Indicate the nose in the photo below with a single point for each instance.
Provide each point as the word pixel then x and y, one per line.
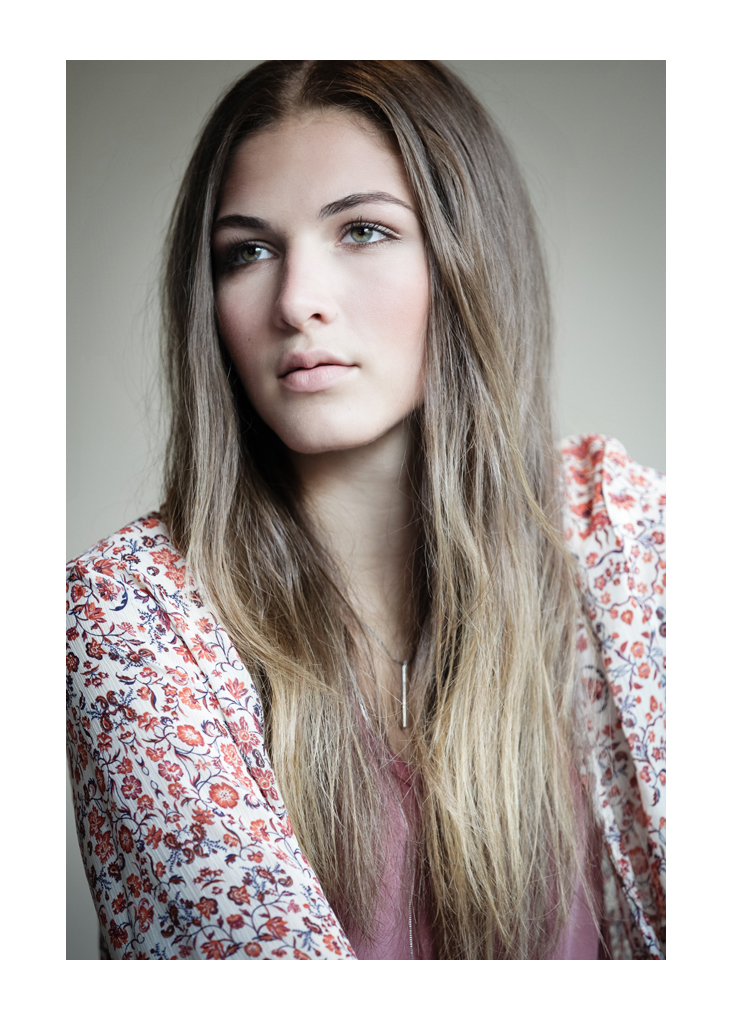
pixel 305 296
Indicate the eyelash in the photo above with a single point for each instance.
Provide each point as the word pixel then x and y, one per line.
pixel 234 249
pixel 373 226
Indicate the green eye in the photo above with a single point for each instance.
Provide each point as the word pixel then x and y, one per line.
pixel 360 233
pixel 242 254
pixel 250 254
pixel 363 234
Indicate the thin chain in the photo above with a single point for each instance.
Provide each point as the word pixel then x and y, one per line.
pixel 398 661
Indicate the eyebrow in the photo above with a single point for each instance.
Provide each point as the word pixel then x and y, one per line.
pixel 329 210
pixel 238 221
pixel 356 198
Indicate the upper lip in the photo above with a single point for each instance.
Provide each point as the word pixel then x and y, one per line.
pixel 307 360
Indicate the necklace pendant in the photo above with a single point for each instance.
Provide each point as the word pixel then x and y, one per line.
pixel 404 717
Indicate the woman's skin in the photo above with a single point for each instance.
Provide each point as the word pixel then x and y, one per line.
pixel 322 298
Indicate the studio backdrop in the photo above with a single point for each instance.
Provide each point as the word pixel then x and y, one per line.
pixel 590 138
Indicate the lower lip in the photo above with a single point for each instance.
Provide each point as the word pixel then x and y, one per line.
pixel 316 379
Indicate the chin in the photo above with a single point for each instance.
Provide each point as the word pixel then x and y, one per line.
pixel 316 438
pixel 307 445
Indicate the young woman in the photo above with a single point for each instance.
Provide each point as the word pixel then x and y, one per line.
pixel 384 678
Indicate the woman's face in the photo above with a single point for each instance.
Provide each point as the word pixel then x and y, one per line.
pixel 322 282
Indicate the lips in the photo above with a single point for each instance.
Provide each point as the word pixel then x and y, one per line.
pixel 313 371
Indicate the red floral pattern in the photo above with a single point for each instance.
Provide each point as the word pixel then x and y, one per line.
pixel 616 529
pixel 187 846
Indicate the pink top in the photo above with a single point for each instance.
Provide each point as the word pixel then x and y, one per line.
pixel 393 940
pixel 580 942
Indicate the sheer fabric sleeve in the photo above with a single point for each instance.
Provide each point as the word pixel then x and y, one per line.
pixel 615 525
pixel 187 847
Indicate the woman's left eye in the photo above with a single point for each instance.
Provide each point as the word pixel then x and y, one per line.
pixel 362 233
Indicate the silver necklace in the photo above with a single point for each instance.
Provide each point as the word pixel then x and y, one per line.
pixel 399 662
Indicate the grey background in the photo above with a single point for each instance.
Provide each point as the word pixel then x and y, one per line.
pixel 590 137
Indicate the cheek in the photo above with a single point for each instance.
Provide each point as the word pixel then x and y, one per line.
pixel 390 306
pixel 241 319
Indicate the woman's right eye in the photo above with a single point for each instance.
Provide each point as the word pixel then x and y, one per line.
pixel 250 252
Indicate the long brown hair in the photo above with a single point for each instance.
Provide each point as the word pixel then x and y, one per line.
pixel 492 695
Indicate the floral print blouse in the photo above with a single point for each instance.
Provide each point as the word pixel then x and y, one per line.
pixel 186 842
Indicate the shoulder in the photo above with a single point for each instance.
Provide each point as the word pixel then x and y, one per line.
pixel 141 639
pixel 134 550
pixel 138 559
pixel 614 520
pixel 611 500
pixel 132 605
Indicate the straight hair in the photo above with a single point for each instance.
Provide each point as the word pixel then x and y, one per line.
pixel 493 696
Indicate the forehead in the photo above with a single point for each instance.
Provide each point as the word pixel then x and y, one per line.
pixel 312 159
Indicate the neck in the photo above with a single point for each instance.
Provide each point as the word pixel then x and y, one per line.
pixel 361 501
